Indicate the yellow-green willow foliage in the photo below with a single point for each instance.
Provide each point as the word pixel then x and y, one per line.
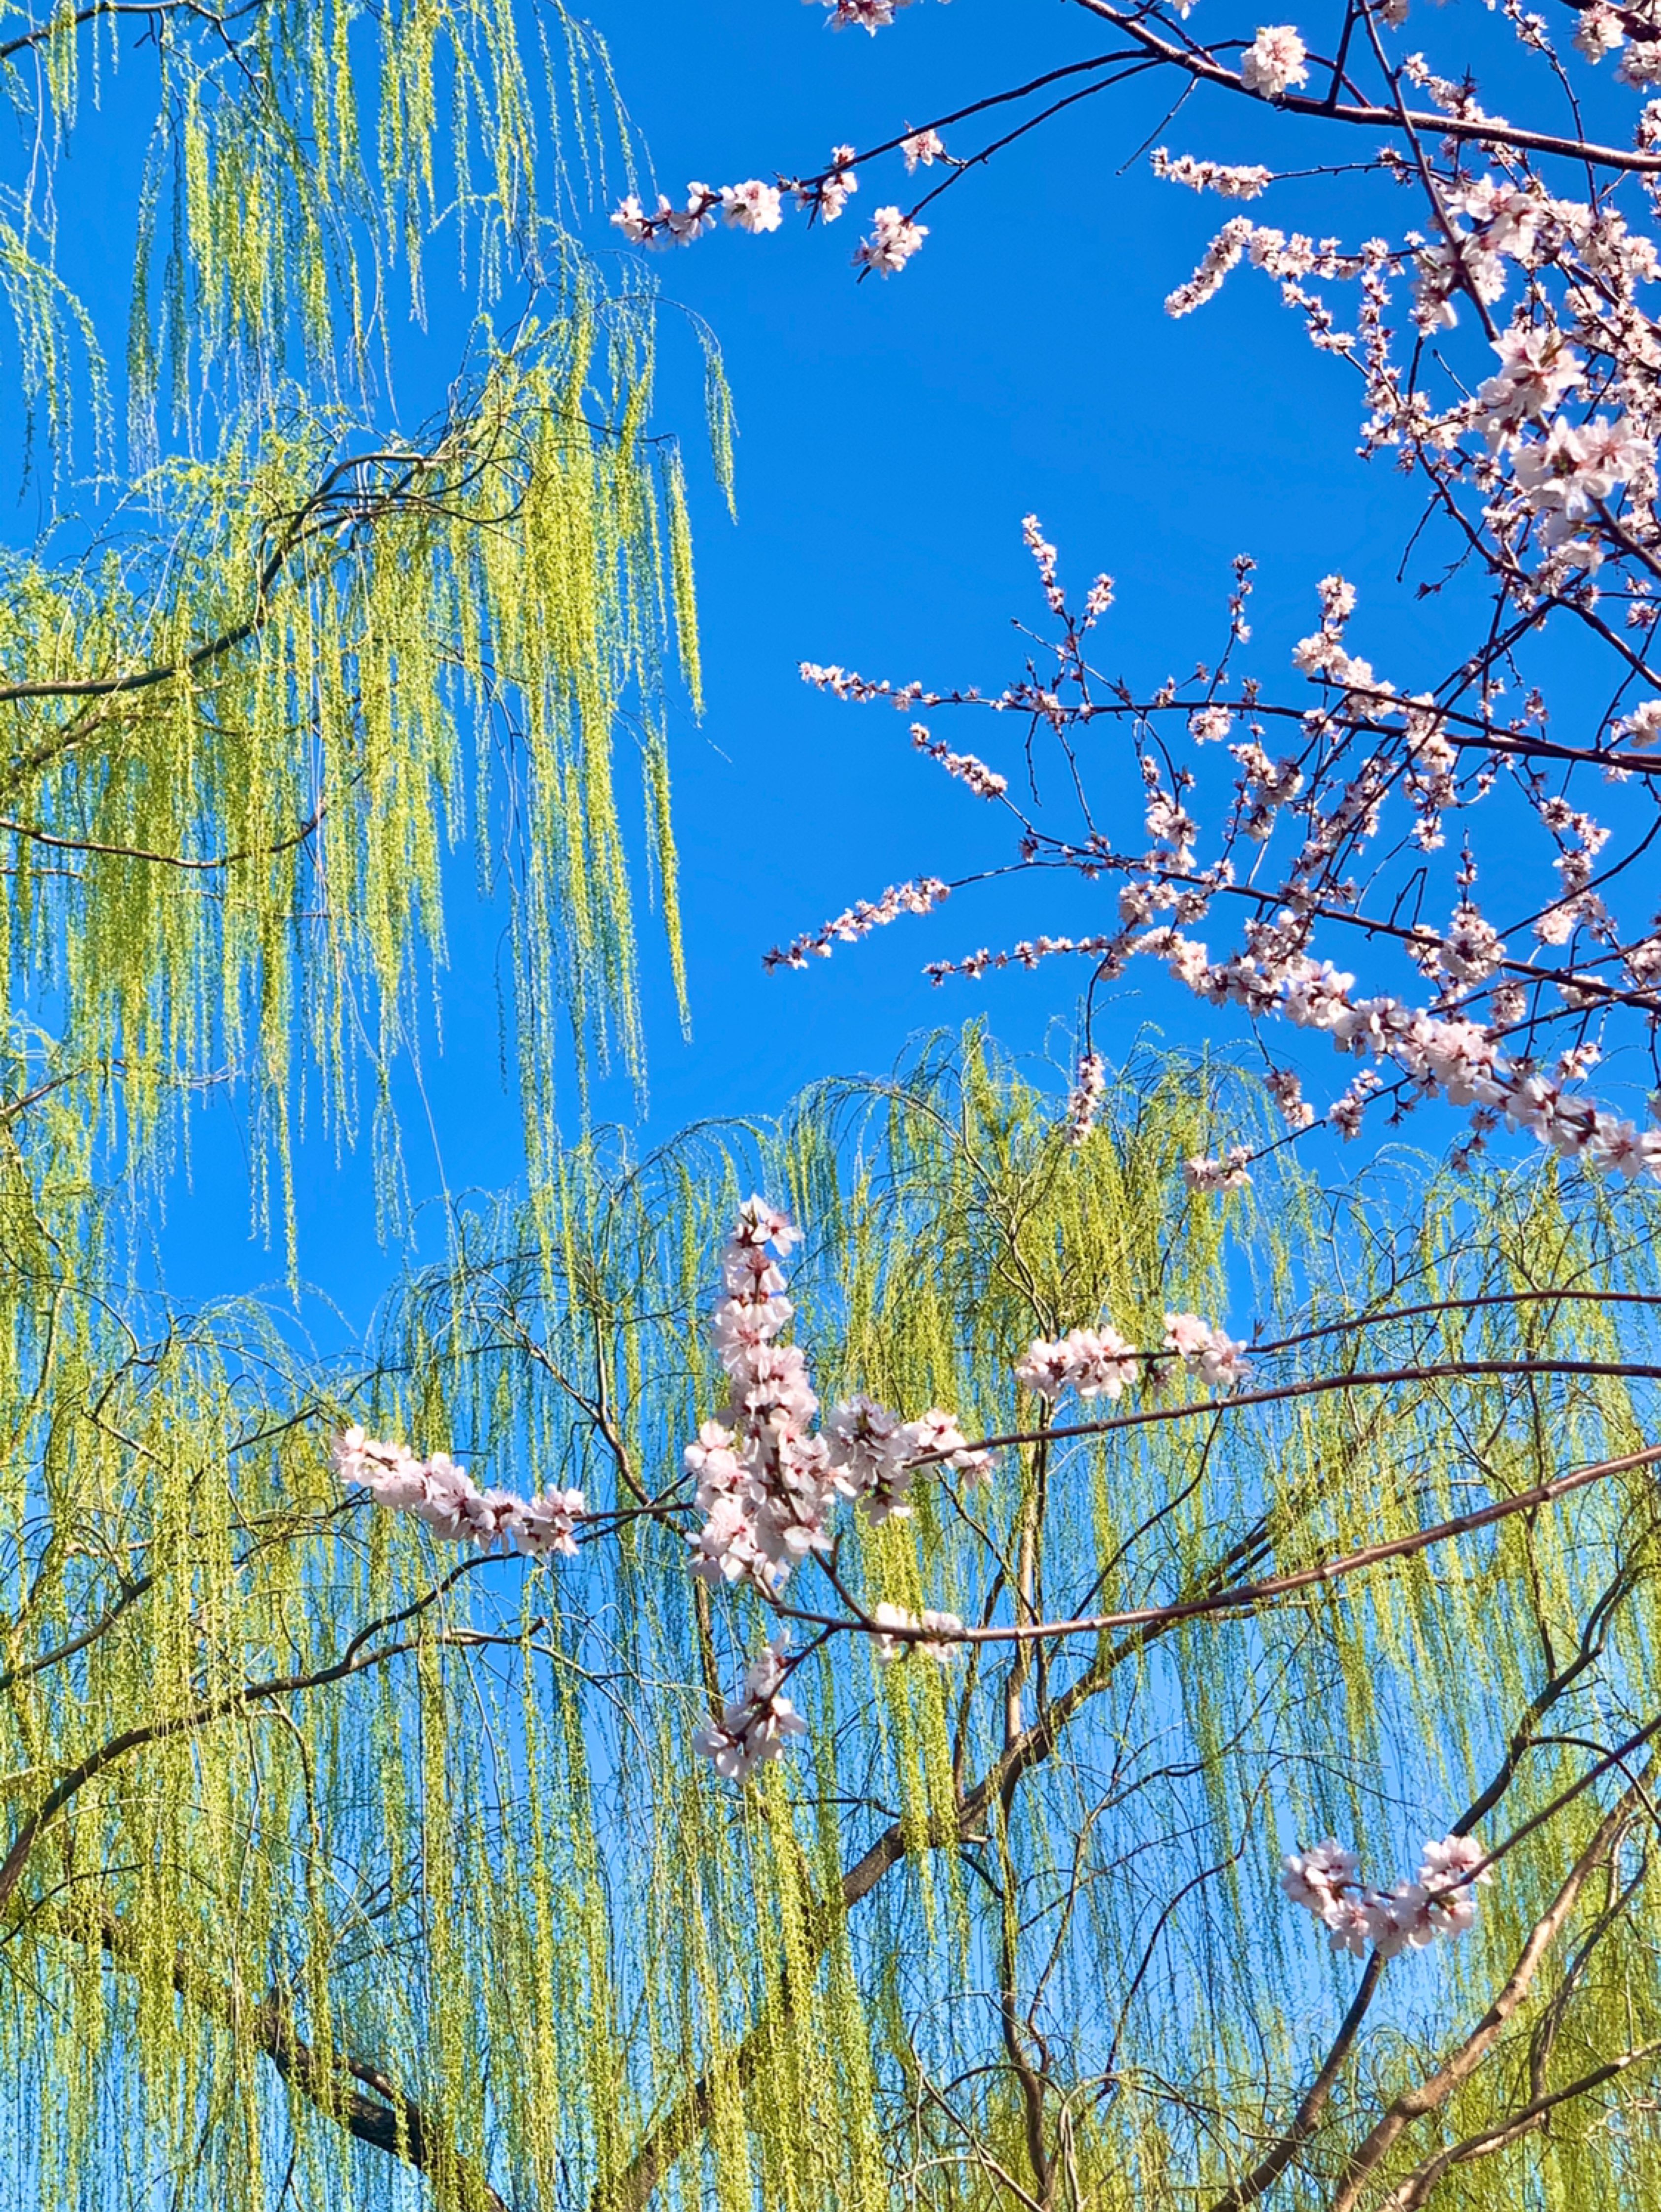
pixel 298 160
pixel 238 761
pixel 342 1868
pixel 259 692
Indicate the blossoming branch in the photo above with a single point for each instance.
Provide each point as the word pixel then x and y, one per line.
pixel 446 1499
pixel 1347 855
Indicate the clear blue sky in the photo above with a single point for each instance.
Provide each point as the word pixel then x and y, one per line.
pixel 892 436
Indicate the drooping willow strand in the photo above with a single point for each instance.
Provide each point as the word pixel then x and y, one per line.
pixel 297 652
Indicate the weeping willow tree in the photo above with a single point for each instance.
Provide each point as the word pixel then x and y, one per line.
pixel 344 1864
pixel 268 670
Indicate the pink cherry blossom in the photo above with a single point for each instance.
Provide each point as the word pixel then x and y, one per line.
pixel 1096 1362
pixel 547 1524
pixel 757 1724
pixel 1600 32
pixel 448 1493
pixel 1220 256
pixel 1186 1334
pixel 894 239
pixel 766 1481
pixel 936 1435
pixel 867 1449
pixel 1537 370
pixel 494 1517
pixel 1326 1882
pixel 1231 181
pixel 392 1475
pixel 857 921
pixel 631 218
pixel 940 1647
pixel 1229 1173
pixel 1313 1878
pixel 1274 62
pixel 445 1497
pixel 1450 1858
pixel 1089 1089
pixel 1400 1919
pixel 753 206
pixel 872 16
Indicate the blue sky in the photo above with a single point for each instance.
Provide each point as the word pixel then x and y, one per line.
pixel 893 434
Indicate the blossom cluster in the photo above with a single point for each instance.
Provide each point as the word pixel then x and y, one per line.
pixel 1229 181
pixel 768 1481
pixel 983 781
pixel 872 16
pixel 445 1497
pixel 755 1725
pixel 859 919
pixel 1084 1102
pixel 1026 952
pixel 753 206
pixel 1231 1172
pixel 894 239
pixel 758 207
pixel 1325 1881
pixel 942 1642
pixel 1275 62
pixel 1099 1363
pixel 1455 1058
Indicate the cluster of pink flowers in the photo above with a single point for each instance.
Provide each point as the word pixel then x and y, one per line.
pixel 922 149
pixel 1099 1363
pixel 757 1724
pixel 1045 559
pixel 1026 952
pixel 758 207
pixel 1231 1172
pixel 1220 1362
pixel 768 1481
pixel 753 206
pixel 1084 1103
pixel 873 1455
pixel 1229 181
pixel 445 1496
pixel 872 16
pixel 1563 478
pixel 984 782
pixel 1325 1881
pixel 1538 369
pixel 941 1643
pixel 1222 255
pixel 1274 61
pixel 1601 32
pixel 894 239
pixel 858 920
pixel 1456 1058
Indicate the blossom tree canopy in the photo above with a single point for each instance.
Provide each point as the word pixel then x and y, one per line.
pixel 1315 846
